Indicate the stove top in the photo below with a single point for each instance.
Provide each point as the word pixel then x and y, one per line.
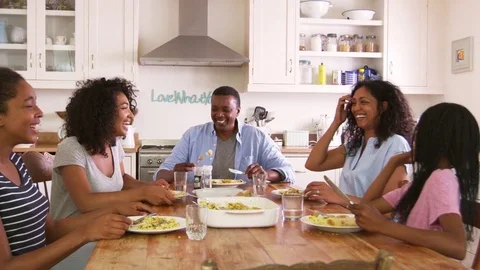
pixel 159 147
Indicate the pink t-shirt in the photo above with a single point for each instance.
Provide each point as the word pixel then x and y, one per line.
pixel 440 195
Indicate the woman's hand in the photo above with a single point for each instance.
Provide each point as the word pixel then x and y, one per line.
pixel 368 217
pixel 156 195
pixel 342 110
pixel 162 183
pixel 132 209
pixel 321 191
pixel 110 226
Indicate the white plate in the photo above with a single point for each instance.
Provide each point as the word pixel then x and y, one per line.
pixel 179 194
pixel 279 191
pixel 333 229
pixel 180 220
pixel 218 183
pixel 216 192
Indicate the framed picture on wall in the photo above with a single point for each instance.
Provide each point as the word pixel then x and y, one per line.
pixel 462 55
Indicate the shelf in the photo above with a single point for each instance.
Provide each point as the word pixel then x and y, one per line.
pixel 345 22
pixel 12 11
pixel 340 54
pixel 12 46
pixel 60 47
pixel 300 88
pixel 60 13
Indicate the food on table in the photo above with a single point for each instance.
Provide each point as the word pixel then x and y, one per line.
pixel 178 194
pixel 290 191
pixel 245 193
pixel 333 220
pixel 226 181
pixel 208 153
pixel 228 206
pixel 157 223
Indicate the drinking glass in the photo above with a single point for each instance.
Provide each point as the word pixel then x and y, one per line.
pixel 180 181
pixel 259 184
pixel 196 216
pixel 292 205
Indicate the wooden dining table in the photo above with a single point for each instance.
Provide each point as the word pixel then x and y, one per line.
pixel 287 243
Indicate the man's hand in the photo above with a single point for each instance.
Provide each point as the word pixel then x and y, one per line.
pixel 184 167
pixel 254 169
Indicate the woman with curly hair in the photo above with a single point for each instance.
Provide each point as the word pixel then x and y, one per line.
pixel 379 126
pixel 88 170
pixel 431 210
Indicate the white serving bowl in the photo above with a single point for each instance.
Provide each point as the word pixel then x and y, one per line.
pixel 359 14
pixel 314 8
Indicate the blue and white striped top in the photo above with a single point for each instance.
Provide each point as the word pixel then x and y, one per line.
pixel 23 211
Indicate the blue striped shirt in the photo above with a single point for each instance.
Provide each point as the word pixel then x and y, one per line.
pixel 23 211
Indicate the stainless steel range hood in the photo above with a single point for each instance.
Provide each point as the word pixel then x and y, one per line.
pixel 193 47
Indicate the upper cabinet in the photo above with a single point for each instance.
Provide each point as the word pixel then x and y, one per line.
pixel 111 38
pixel 53 44
pixel 407 42
pixel 272 42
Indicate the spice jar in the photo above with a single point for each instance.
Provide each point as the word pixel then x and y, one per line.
pixel 371 44
pixel 316 42
pixel 306 72
pixel 358 43
pixel 302 41
pixel 345 43
pixel 332 42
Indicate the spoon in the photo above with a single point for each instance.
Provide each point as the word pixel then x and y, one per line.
pixel 235 171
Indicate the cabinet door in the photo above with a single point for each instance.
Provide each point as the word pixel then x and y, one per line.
pixel 111 38
pixel 130 164
pixel 17 37
pixel 59 39
pixel 272 42
pixel 407 42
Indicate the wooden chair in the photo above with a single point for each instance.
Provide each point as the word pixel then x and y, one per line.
pixel 40 167
pixel 476 224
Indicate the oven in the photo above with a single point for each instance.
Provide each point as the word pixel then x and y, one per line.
pixel 151 155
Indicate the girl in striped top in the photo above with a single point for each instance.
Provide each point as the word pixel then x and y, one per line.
pixel 29 237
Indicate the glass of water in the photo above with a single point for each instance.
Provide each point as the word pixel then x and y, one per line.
pixel 259 184
pixel 292 205
pixel 180 181
pixel 196 216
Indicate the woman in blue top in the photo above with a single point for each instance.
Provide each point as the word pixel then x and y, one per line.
pixel 379 126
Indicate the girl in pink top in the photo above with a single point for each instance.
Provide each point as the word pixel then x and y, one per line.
pixel 446 172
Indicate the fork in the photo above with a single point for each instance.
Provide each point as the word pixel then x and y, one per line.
pixel 138 221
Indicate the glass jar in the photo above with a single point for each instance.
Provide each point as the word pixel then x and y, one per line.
pixel 371 44
pixel 302 42
pixel 358 43
pixel 345 43
pixel 332 42
pixel 316 42
pixel 306 72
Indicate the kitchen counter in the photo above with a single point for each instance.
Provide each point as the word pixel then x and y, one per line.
pixel 53 148
pixel 295 150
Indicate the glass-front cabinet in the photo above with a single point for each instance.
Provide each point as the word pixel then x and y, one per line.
pixel 42 39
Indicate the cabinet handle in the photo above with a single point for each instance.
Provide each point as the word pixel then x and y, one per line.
pixel 291 66
pixel 151 172
pixel 391 68
pixel 92 57
pixel 300 171
pixel 31 60
pixel 40 60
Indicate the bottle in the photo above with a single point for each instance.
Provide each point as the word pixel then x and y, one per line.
pixel 322 75
pixel 207 176
pixel 197 179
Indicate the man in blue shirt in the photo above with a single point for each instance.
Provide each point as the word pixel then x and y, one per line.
pixel 227 143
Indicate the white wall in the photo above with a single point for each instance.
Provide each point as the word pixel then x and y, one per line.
pixel 227 24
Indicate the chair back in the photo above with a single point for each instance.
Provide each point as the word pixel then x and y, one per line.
pixel 40 167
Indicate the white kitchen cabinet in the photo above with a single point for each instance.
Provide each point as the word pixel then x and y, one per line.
pixel 130 164
pixel 303 176
pixel 272 42
pixel 112 38
pixel 407 42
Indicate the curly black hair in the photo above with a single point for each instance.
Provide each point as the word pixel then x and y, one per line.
pixel 448 131
pixel 396 119
pixel 92 110
pixel 9 80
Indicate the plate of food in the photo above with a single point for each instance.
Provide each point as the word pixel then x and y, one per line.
pixel 157 224
pixel 335 223
pixel 226 182
pixel 280 192
pixel 179 194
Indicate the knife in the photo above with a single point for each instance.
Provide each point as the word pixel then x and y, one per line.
pixel 337 190
pixel 138 221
